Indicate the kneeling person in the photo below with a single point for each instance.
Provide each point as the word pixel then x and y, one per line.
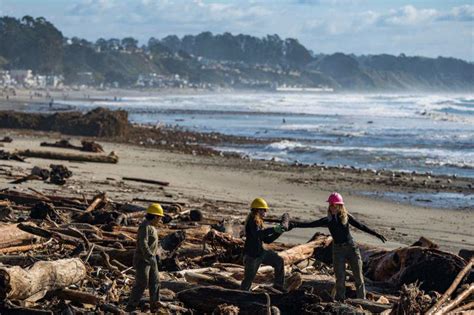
pixel 254 253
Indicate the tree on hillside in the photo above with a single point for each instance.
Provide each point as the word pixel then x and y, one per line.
pixel 129 44
pixel 101 45
pixel 31 44
pixel 114 44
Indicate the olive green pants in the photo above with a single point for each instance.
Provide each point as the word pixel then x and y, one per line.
pixel 146 275
pixel 340 254
pixel 253 263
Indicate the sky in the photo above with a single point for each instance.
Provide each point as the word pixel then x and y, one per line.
pixel 416 28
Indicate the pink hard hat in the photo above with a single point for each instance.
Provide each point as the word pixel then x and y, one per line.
pixel 335 199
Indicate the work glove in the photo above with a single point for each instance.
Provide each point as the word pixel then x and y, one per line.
pixel 381 237
pixel 279 229
pixel 285 221
pixel 292 225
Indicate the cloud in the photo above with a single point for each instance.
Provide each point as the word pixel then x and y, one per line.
pixel 407 15
pixel 463 13
pixel 91 7
pixel 190 15
pixel 327 2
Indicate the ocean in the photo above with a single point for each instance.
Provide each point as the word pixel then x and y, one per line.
pixel 404 132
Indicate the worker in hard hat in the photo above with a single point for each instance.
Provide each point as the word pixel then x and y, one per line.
pixel 254 253
pixel 344 249
pixel 145 260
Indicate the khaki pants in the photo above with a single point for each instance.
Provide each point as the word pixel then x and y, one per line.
pixel 340 254
pixel 146 275
pixel 253 263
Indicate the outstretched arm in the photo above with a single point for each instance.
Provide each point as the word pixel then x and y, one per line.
pixel 365 228
pixel 317 223
pixel 267 235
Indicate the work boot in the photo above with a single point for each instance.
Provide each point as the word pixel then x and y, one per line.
pixel 154 307
pixel 130 308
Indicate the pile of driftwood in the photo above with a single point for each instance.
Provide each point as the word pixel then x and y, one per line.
pixel 86 146
pixel 74 254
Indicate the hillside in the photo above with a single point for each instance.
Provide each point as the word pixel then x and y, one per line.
pixel 238 61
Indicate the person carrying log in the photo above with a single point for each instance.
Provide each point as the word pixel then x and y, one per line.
pixel 254 253
pixel 145 260
pixel 343 248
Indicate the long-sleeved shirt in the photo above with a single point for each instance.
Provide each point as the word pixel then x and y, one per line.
pixel 339 232
pixel 147 242
pixel 255 237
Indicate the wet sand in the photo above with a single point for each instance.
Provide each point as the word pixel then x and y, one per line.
pixel 231 183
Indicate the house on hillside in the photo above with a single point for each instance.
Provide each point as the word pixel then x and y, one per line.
pixel 23 77
pixel 85 78
pixel 5 79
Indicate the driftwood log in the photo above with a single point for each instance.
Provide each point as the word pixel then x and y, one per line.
pixel 87 146
pixel 456 301
pixel 410 264
pixel 13 236
pixel 451 289
pixel 406 265
pixel 290 256
pixel 207 298
pixel 301 252
pixel 77 296
pixel 111 158
pixel 146 181
pixel 32 284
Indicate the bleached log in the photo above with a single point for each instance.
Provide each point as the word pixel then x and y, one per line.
pixel 13 236
pixel 33 283
pixel 304 251
pixel 111 158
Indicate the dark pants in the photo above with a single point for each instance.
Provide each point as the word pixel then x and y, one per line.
pixel 340 254
pixel 146 275
pixel 267 258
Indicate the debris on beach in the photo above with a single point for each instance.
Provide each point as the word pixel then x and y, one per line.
pixel 6 139
pixel 98 122
pixel 69 249
pixel 86 146
pixel 57 175
pixel 86 244
pixel 53 155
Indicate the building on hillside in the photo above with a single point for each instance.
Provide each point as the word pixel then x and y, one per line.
pixel 5 79
pixel 23 77
pixel 85 78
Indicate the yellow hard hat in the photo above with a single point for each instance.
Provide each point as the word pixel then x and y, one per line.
pixel 156 209
pixel 259 203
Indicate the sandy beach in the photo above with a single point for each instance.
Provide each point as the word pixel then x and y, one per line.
pixel 232 183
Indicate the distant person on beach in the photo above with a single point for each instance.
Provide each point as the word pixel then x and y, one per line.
pixel 254 253
pixel 343 248
pixel 145 260
pixel 51 102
